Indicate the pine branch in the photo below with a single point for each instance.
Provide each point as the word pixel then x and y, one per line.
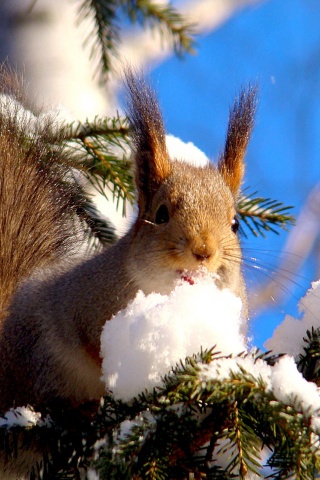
pixel 250 417
pixel 99 231
pixel 96 152
pixel 261 215
pixel 242 442
pixel 164 17
pixel 104 38
pixel 101 152
pixel 295 454
pixel 106 34
pixel 309 362
pixel 115 129
pixel 179 430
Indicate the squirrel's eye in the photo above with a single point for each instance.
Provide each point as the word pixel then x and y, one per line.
pixel 162 215
pixel 235 224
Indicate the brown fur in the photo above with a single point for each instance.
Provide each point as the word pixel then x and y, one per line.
pixel 50 337
pixel 231 163
pixel 148 135
pixel 35 205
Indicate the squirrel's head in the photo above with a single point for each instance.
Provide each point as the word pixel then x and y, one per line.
pixel 187 215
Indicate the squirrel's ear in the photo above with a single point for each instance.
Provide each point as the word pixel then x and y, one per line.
pixel 241 120
pixel 149 140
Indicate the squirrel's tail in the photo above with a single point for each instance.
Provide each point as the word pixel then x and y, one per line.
pixel 36 199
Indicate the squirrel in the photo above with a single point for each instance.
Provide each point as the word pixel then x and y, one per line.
pixel 53 311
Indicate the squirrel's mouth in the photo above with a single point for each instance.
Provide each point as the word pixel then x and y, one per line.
pixel 186 276
pixel 191 276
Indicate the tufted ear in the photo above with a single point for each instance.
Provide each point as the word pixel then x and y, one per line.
pixel 148 135
pixel 241 120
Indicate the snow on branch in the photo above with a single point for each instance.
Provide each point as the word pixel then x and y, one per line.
pixel 142 343
pixel 223 412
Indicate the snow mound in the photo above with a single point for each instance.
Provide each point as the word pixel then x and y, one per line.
pixel 141 343
pixel 288 336
pixel 185 152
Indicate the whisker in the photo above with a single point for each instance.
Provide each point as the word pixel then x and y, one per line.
pixel 277 270
pixel 279 254
pixel 148 222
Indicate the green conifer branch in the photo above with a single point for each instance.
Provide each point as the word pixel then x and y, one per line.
pixel 101 152
pixel 176 430
pixel 260 215
pixel 309 362
pixel 169 21
pixel 100 232
pixel 253 417
pixel 112 128
pixel 106 34
pixel 104 38
pixel 97 152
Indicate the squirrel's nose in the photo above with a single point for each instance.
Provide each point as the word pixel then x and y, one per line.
pixel 204 247
pixel 201 256
pixel 202 252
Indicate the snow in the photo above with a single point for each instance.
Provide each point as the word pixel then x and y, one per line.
pixel 27 120
pixel 288 336
pixel 144 341
pixel 221 369
pixel 185 152
pixel 92 474
pixel 283 379
pixel 21 417
pixel 126 428
pixel 290 388
pixel 141 343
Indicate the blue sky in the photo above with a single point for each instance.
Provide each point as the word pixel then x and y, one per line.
pixel 277 45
